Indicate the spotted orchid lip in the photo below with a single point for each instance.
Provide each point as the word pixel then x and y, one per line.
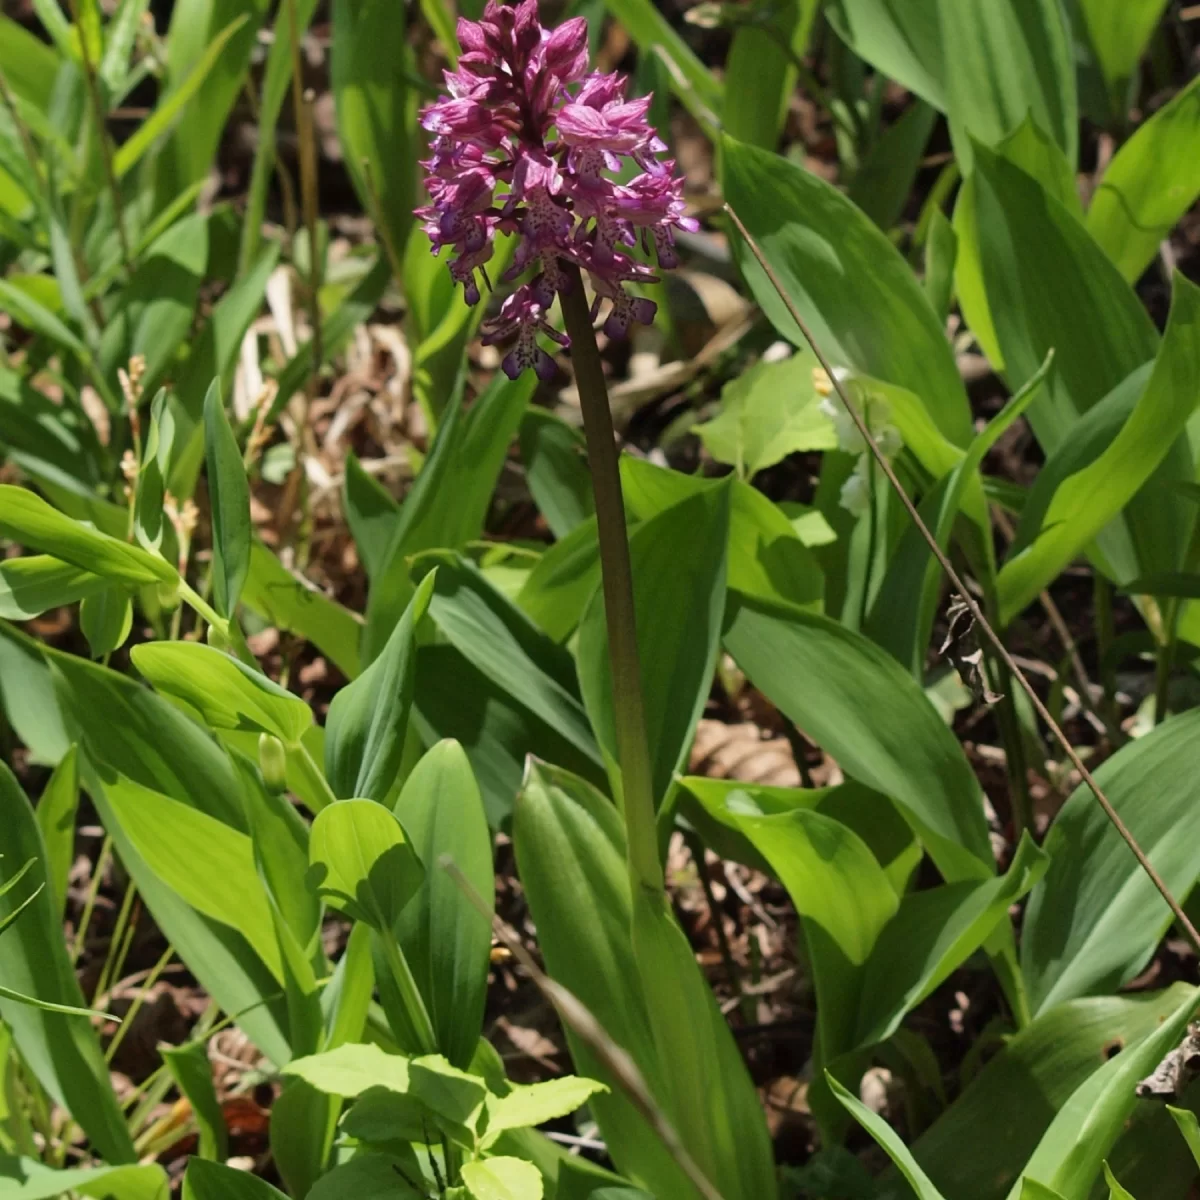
pixel 524 142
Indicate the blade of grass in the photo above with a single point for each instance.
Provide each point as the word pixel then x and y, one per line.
pixel 976 612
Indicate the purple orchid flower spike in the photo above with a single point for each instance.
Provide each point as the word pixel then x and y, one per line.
pixel 526 142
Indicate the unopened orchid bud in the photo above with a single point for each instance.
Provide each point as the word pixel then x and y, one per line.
pixel 272 762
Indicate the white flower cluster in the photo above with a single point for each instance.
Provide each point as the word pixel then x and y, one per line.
pixel 876 413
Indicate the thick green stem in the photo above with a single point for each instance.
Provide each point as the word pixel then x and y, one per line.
pixel 410 994
pixel 633 751
pixel 320 794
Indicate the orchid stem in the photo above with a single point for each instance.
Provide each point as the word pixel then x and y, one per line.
pixel 633 751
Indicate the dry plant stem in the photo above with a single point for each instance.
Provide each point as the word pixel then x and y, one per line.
pixel 1070 646
pixel 976 612
pixel 106 154
pixel 633 752
pixel 577 1017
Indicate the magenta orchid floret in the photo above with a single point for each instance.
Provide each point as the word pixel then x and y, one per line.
pixel 526 142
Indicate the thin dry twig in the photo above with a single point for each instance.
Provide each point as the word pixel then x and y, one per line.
pixel 976 612
pixel 582 1022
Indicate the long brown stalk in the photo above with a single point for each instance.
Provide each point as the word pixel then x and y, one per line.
pixel 976 612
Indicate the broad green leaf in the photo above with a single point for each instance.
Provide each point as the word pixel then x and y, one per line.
pixel 1151 182
pixel 26 310
pixel 562 828
pixel 563 580
pixel 62 1051
pixel 980 1144
pixel 368 719
pixel 718 806
pixel 502 1179
pixel 760 72
pixel 383 1115
pixel 351 1070
pixel 883 183
pixel 1149 537
pixel 539 1103
pixel 1049 286
pixel 1185 1119
pixel 27 697
pixel 303 1128
pixel 1032 1190
pixel 1070 1154
pixel 860 298
pixel 678 561
pixel 32 585
pixel 857 702
pixel 1168 584
pixel 570 850
pixel 465 462
pixel 370 66
pixel 367 1177
pixel 455 699
pixel 1023 50
pixel 288 601
pixel 371 512
pixel 941 258
pixel 1087 501
pixel 902 616
pixel 28 63
pixel 229 502
pixel 445 939
pixel 214 1181
pixel 156 309
pixel 501 643
pixel 1094 921
pixel 1115 1190
pixel 226 693
pixel 206 863
pixel 362 863
pixel 452 1095
pixel 888 1140
pixel 1119 35
pixel 29 520
pixel 56 822
pixel 125 728
pixel 205 61
pixel 556 470
pixel 106 617
pixel 932 934
pixel 28 1179
pixel 843 897
pixel 766 414
pixel 903 40
pixel 189 1066
pixel 764 556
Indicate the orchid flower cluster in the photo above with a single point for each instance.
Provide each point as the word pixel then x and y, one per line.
pixel 526 143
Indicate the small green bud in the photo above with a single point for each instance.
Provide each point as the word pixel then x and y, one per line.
pixel 167 595
pixel 272 762
pixel 217 640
